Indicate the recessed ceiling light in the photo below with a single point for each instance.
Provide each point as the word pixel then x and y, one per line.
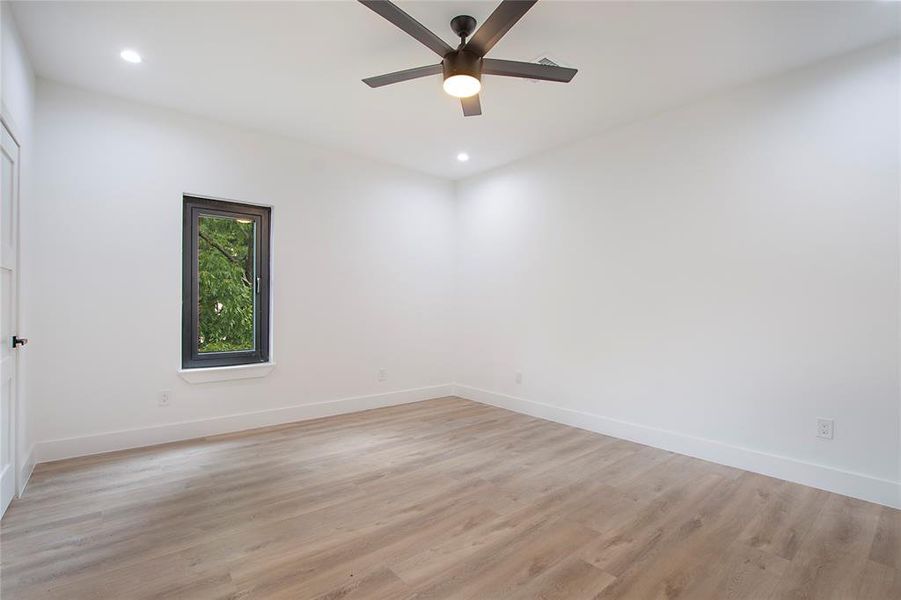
pixel 462 157
pixel 131 56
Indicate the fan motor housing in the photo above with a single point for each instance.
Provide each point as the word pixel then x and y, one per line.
pixel 461 62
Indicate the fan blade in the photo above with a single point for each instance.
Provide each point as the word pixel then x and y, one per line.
pixel 406 75
pixel 410 25
pixel 514 68
pixel 472 107
pixel 501 20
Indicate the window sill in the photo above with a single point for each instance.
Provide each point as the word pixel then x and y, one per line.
pixel 211 374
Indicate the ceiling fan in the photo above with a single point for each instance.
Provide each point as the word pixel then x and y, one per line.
pixel 464 66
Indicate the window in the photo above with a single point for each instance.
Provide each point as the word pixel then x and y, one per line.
pixel 225 297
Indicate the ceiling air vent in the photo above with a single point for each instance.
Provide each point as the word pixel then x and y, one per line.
pixel 544 60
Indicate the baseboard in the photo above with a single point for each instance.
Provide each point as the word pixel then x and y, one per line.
pixel 173 432
pixel 856 485
pixel 7 487
pixel 26 470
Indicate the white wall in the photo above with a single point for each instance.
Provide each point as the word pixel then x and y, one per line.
pixel 362 277
pixel 17 90
pixel 710 280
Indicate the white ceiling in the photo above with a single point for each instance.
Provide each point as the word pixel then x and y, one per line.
pixel 295 67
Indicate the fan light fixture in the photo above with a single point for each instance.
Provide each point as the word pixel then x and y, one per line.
pixel 462 67
pixel 462 86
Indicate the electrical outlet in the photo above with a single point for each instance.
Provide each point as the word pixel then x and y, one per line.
pixel 825 428
pixel 164 398
pixel 383 375
pixel 518 377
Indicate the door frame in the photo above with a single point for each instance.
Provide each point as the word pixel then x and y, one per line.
pixel 7 122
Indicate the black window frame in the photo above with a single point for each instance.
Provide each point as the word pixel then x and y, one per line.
pixel 191 357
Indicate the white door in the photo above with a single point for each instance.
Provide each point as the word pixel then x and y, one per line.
pixel 9 234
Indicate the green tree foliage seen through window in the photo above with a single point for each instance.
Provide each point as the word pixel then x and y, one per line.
pixel 226 279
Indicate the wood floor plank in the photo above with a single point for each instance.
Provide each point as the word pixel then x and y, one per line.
pixel 379 585
pixel 886 547
pixel 439 499
pixel 571 579
pixel 832 562
pixel 498 570
pixel 879 582
pixel 785 521
pixel 447 553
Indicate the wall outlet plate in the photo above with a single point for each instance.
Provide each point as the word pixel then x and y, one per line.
pixel 164 398
pixel 383 375
pixel 825 428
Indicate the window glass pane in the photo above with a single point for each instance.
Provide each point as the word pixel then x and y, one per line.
pixel 226 279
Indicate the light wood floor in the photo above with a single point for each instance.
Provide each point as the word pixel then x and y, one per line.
pixel 439 499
